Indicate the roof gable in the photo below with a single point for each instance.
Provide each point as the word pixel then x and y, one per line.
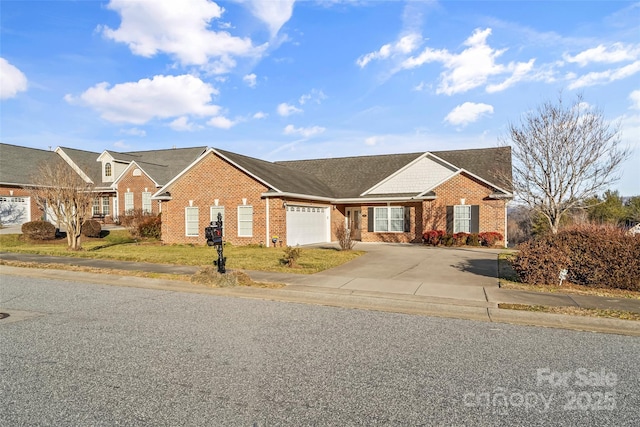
pixel 416 177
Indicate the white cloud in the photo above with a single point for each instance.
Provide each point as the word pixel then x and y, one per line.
pixel 285 109
pixel 373 140
pixel 179 30
pixel 182 124
pixel 134 132
pixel 315 95
pixel 260 115
pixel 468 112
pixel 121 145
pixel 617 52
pixel 419 87
pixel 608 76
pixel 161 97
pixel 13 80
pixel 250 80
pixel 304 132
pixel 470 68
pixel 222 122
pixel 635 99
pixel 518 72
pixel 273 13
pixel 405 45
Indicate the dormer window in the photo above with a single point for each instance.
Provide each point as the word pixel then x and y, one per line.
pixel 107 169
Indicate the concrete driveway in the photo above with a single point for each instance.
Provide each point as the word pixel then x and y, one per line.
pixel 450 273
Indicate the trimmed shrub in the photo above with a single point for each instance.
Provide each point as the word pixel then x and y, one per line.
pixel 460 239
pixel 433 237
pixel 291 255
pixel 597 256
pixel 142 224
pixel 150 227
pixel 448 239
pixel 91 228
pixel 39 230
pixel 473 239
pixel 490 238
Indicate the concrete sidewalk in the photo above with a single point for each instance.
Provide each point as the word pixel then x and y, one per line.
pixel 386 294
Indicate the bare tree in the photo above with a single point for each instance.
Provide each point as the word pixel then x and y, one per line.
pixel 563 154
pixel 62 190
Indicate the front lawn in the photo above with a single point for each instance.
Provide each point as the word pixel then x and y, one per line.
pixel 118 245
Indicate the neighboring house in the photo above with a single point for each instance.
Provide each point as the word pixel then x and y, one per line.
pixel 125 181
pixel 17 168
pixel 122 181
pixel 386 198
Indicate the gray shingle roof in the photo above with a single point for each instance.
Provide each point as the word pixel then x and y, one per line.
pixel 351 176
pixel 491 164
pixel 88 162
pixel 283 178
pixel 19 164
pixel 161 165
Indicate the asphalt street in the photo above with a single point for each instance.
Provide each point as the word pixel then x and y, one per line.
pixel 89 354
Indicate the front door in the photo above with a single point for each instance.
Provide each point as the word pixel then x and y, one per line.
pixel 353 222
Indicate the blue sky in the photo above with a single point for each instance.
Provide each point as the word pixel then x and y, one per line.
pixel 284 80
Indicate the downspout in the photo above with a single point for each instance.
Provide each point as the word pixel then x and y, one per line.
pixel 506 222
pixel 267 239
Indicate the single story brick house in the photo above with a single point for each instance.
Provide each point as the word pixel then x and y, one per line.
pixel 384 198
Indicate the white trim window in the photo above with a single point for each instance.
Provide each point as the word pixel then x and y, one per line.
pixel 213 215
pixel 191 221
pixel 245 221
pixel 389 219
pixel 462 219
pixel 146 202
pixel 128 202
pixel 95 211
pixel 105 205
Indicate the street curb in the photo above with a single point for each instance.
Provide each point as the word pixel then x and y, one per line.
pixel 404 304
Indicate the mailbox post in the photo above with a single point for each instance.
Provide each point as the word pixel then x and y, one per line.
pixel 213 234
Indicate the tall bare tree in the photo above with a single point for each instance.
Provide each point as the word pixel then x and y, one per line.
pixel 563 154
pixel 61 190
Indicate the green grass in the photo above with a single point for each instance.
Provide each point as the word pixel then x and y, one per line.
pixel 118 245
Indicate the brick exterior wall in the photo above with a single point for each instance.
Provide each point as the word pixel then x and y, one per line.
pixel 431 214
pixel 136 185
pixel 492 213
pixel 213 178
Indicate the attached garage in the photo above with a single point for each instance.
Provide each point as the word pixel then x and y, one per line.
pixel 307 225
pixel 14 210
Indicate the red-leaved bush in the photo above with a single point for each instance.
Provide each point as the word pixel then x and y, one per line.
pixel 433 237
pixel 490 238
pixel 593 255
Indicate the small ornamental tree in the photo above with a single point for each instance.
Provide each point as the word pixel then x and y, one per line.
pixel 60 189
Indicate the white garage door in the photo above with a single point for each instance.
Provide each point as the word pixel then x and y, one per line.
pixel 14 210
pixel 306 225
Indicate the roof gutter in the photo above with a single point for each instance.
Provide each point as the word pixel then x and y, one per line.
pixel 346 200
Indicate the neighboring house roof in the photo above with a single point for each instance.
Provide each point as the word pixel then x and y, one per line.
pixel 86 162
pixel 19 164
pixel 161 165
